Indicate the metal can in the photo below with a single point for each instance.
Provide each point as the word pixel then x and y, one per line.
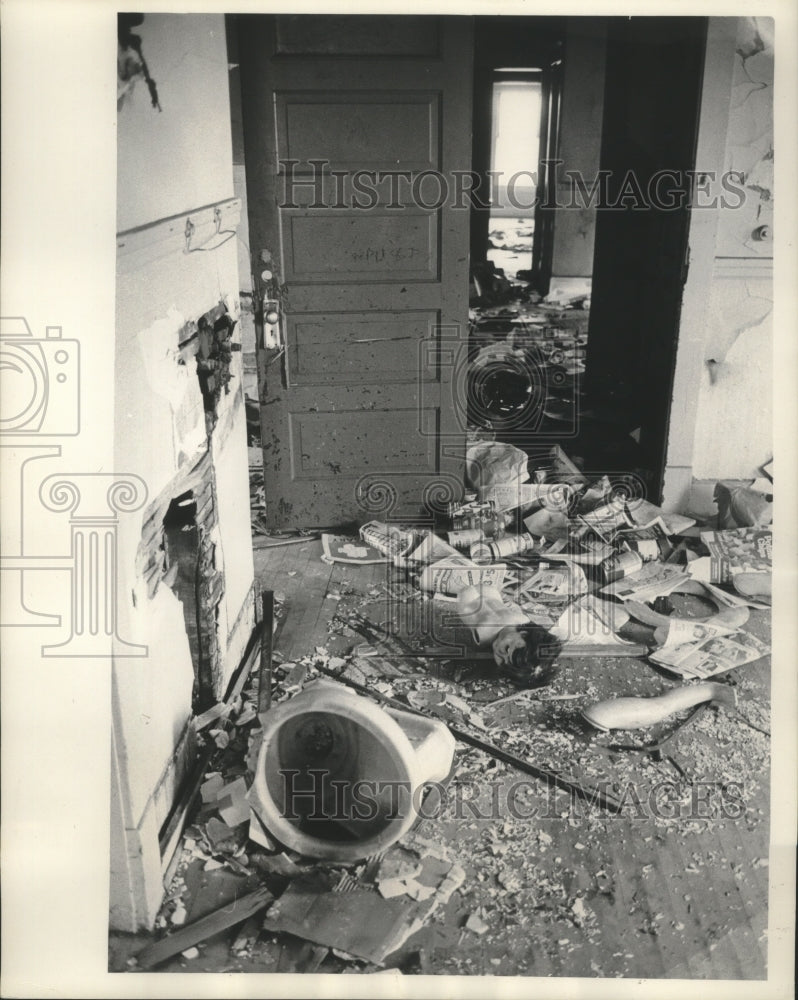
pixel 512 545
pixel 621 564
pixel 482 552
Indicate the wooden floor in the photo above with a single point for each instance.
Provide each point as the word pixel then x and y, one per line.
pixel 566 888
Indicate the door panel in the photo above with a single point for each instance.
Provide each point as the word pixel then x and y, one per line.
pixel 373 246
pixel 373 278
pixel 356 347
pixel 388 130
pixel 358 35
pixel 323 442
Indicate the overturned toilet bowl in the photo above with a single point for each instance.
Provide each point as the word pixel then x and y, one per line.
pixel 339 778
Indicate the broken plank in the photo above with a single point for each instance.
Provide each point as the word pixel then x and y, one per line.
pixel 266 645
pixel 210 715
pixel 270 542
pixel 169 839
pixel 239 679
pixel 220 920
pixel 359 922
pixel 172 830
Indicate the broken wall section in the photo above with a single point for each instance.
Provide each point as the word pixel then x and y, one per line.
pixel 179 549
pixel 734 421
pixel 179 423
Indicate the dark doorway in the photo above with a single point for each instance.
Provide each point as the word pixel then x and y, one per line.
pixel 608 378
pixel 652 96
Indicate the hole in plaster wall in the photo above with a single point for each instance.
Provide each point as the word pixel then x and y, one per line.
pixel 214 354
pixel 184 569
pixel 179 544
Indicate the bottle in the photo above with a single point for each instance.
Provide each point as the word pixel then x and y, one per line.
pixel 483 551
pixel 512 545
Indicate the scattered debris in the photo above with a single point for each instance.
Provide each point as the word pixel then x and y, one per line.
pixel 738 550
pixel 364 912
pixel 210 788
pixel 342 549
pixel 388 539
pixel 232 803
pixel 211 715
pixel 476 924
pixel 356 919
pixel 711 656
pixel 191 935
pixel 744 506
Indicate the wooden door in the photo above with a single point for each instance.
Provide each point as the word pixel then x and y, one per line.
pixel 347 122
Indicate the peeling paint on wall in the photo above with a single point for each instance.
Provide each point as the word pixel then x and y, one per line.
pixel 733 435
pixel 170 164
pixel 735 413
pixel 169 377
pixel 752 304
pixel 161 355
pixel 749 142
